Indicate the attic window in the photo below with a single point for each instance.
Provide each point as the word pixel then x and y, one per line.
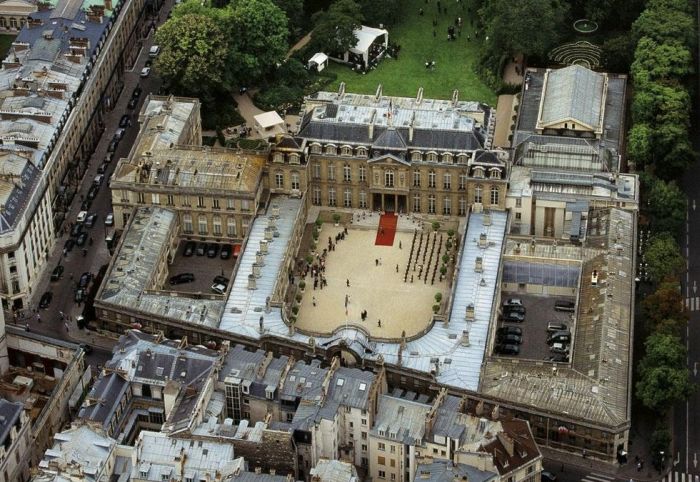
pixel 159 371
pixel 363 386
pixel 340 382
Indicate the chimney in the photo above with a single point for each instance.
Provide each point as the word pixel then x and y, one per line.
pixel 378 94
pixel 370 127
pixel 341 90
pixel 410 127
pixel 419 96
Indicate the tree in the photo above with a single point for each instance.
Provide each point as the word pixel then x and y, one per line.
pixel 668 60
pixel 380 12
pixel 530 27
pixel 666 207
pixel 664 257
pixel 664 306
pixel 663 377
pixel 193 53
pixel 663 21
pixel 333 31
pixel 639 144
pixel 260 31
pixel 618 52
pixel 294 10
pixel 678 154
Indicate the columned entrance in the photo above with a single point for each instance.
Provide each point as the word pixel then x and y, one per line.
pixel 389 202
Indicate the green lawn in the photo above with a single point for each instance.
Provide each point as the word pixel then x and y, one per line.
pixel 454 60
pixel 5 43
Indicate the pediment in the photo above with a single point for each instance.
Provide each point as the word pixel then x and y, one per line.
pixel 388 159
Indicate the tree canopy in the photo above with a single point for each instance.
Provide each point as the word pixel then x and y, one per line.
pixel 654 61
pixel 334 29
pixel 664 308
pixel 667 206
pixel 664 257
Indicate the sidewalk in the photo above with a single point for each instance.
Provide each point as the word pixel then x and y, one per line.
pixel 627 472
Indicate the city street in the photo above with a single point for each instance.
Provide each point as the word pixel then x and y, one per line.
pixel 58 319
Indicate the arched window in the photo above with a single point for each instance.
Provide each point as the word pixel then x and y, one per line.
pixel 495 195
pixel 478 193
pixel 295 179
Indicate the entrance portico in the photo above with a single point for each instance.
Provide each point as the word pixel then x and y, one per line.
pixel 393 202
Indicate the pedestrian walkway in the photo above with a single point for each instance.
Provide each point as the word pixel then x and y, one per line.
pixel 692 303
pixel 248 111
pixel 676 476
pixel 597 477
pixel 299 45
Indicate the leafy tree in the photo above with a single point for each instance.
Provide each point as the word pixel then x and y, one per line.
pixel 678 154
pixel 665 21
pixel 334 29
pixel 666 208
pixel 639 144
pixel 664 257
pixel 384 12
pixel 193 53
pixel 660 442
pixel 259 28
pixel 663 377
pixel 618 52
pixel 294 10
pixel 197 7
pixel 665 304
pixel 530 27
pixel 611 14
pixel 667 60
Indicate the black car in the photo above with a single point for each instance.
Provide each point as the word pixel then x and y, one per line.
pixel 513 316
pixel 92 193
pixel 212 250
pixel 77 229
pixel 79 295
pixel 102 169
pixel 510 330
pixel 514 309
pixel 113 145
pixel 223 280
pixel 45 300
pixel 510 339
pixel 85 206
pixel 90 220
pixel 226 251
pixel 124 121
pixel 548 476
pixel 148 63
pixel 507 349
pixel 86 348
pixel 82 239
pixel 181 278
pixel 84 280
pixel 189 248
pixel 562 305
pixel 57 272
pixel 68 245
pixel 136 92
pixel 201 249
pixel 132 103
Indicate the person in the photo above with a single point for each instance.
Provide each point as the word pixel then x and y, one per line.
pixel 379 323
pixel 347 283
pixel 313 300
pixel 397 268
pixel 420 12
pixel 376 262
pixel 399 244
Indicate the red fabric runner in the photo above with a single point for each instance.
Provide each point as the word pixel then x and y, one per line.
pixel 386 230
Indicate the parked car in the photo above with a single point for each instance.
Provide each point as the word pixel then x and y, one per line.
pixel 79 295
pixel 507 349
pixel 218 279
pixel 189 248
pixel 68 245
pixel 512 302
pixel 559 348
pixel 85 205
pixel 45 300
pixel 119 134
pixel 84 280
pixel 108 157
pixel 510 330
pixel 514 309
pixel 81 216
pixel 563 305
pixel 82 239
pixel 154 51
pixel 201 249
pixel 510 339
pixel 93 192
pixel 57 272
pixel 136 93
pixel 556 326
pixel 548 476
pixel 145 72
pixel 99 179
pixel 513 316
pixel 181 278
pixel 112 146
pixel 218 288
pixel 559 358
pixel 125 121
pixel 102 169
pixel 148 63
pixel 226 251
pixel 132 103
pixel 86 348
pixel 77 229
pixel 90 220
pixel 212 250
pixel 109 219
pixel 559 337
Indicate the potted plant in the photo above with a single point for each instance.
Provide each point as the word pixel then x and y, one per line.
pixel 309 259
pixel 443 270
pixel 319 223
pixel 448 244
pixel 295 309
pixel 336 218
pixel 298 297
pixel 436 225
pixel 436 308
pixel 438 297
pixel 450 233
pixel 445 258
pixel 302 286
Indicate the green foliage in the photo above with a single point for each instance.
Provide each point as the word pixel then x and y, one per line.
pixel 663 309
pixel 617 53
pixel 436 308
pixel 436 225
pixel 666 208
pixel 445 258
pixel 298 297
pixel 277 97
pixel 384 12
pixel 450 233
pixel 193 53
pixel 294 10
pixel 664 257
pixel 438 297
pixel 336 218
pixel 319 223
pixel 639 144
pixel 665 21
pixel 660 442
pixel 667 60
pixel 333 29
pixel 219 111
pixel 309 259
pixel 302 284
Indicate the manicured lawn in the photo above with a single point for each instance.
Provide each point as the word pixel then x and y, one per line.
pixel 5 43
pixel 454 60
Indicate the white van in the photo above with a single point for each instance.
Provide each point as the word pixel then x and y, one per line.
pixel 154 51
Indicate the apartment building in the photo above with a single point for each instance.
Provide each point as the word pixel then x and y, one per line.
pixel 58 79
pixel 15 441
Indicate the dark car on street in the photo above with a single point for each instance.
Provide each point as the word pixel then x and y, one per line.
pixel 133 102
pixel 212 250
pixel 93 192
pixel 84 280
pixel 189 248
pixel 510 339
pixel 90 220
pixel 226 251
pixel 124 121
pixel 85 206
pixel 136 93
pixel 514 309
pixel 563 305
pixel 77 229
pixel 68 245
pixel 79 295
pixel 113 145
pixel 201 249
pixel 507 349
pixel 181 278
pixel 510 330
pixel 513 317
pixel 82 239
pixel 57 272
pixel 45 300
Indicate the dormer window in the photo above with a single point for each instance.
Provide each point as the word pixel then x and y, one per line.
pixel 495 173
pixel 479 172
pixel 431 157
pixel 346 151
pixel 462 158
pixel 278 157
pixel 361 152
pixel 294 159
pixel 331 149
pixel 416 156
pixel 447 158
pixel 315 148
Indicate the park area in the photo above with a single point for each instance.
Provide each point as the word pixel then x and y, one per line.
pixel 454 60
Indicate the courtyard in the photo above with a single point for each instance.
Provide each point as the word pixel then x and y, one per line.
pixel 375 286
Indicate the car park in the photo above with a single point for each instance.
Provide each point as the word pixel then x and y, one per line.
pixel 84 280
pixel 109 219
pixel 77 229
pixel 145 72
pixel 563 305
pixel 91 220
pixel 181 278
pixel 57 272
pixel 513 316
pixel 219 279
pixel 189 248
pixel 82 239
pixel 556 326
pixel 226 251
pixel 81 216
pixel 507 349
pixel 201 249
pixel 68 245
pixel 559 348
pixel 513 302
pixel 510 339
pixel 510 330
pixel 45 300
pixel 124 121
pixel 218 288
pixel 212 250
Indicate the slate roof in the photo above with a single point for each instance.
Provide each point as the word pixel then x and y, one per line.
pixel 573 93
pixel 446 471
pixel 10 413
pixel 104 398
pixel 389 139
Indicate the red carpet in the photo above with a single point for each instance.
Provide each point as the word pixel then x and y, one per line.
pixel 386 230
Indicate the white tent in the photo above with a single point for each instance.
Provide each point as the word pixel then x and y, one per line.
pixel 366 36
pixel 319 61
pixel 269 123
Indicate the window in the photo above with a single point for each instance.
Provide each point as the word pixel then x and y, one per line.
pixel 202 221
pixel 382 474
pixel 416 203
pixel 381 460
pixel 316 170
pixel 295 180
pixel 431 204
pixel 416 178
pixel 392 463
pixel 495 173
pixel 279 180
pixel 478 172
pixel 518 202
pixel 351 424
pixel 518 216
pixel 331 197
pixel 216 222
pixel 364 422
pixel 431 179
pixel 200 201
pixel 381 446
pixel 364 435
pixel 495 194
pixel 447 181
pixel 478 192
pixel 187 222
pixel 141 198
pixel 431 157
pixel 416 156
pixel 462 181
pixel 171 200
pixel 363 200
pixel 361 152
pixel 316 196
pixel 215 203
pixel 245 205
pixel 462 158
pixel 186 200
pixel 231 227
pixel 462 207
pixel 363 174
pixel 346 173
pixel 447 206
pixel 346 151
pixel 315 148
pixel 230 203
pixel 447 158
pixel 294 158
pixel 331 149
pixel 278 157
pixel 392 449
pixel 388 178
pixel 393 476
pixel 347 198
pixel 331 172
